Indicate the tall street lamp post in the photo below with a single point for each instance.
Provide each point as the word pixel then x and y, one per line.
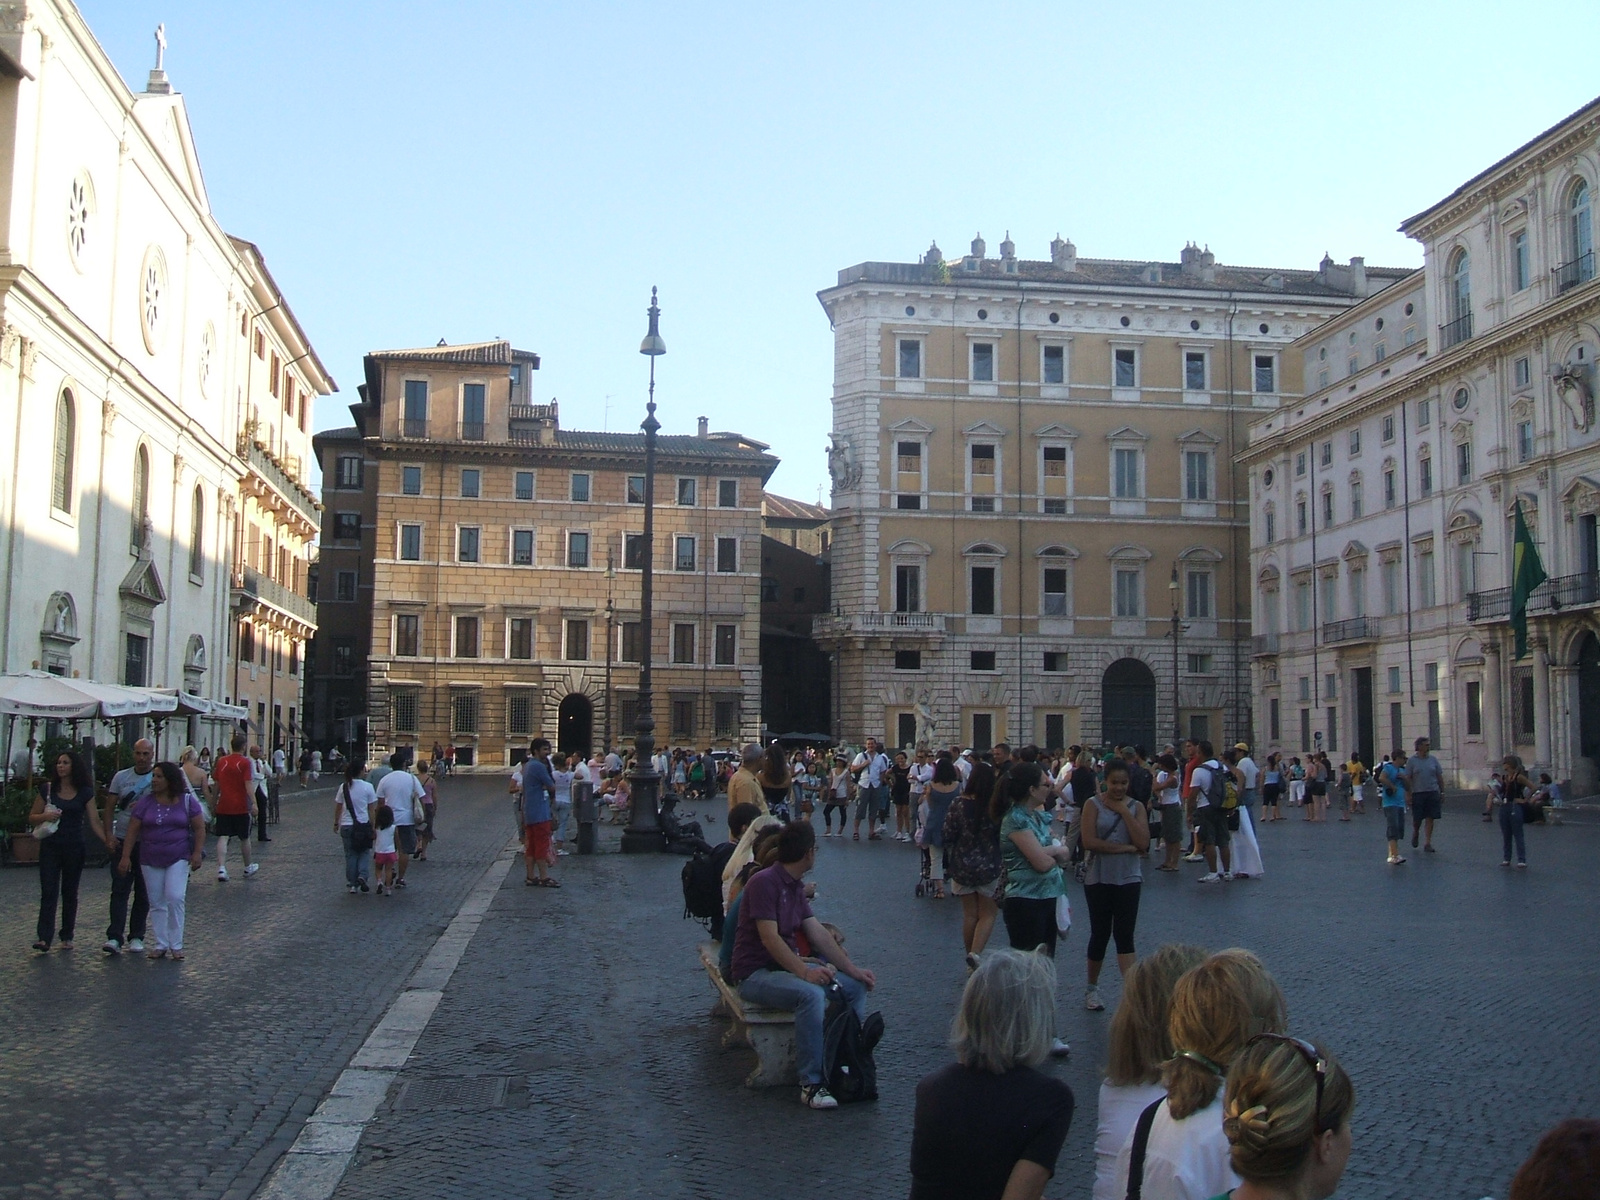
pixel 611 612
pixel 1177 629
pixel 643 834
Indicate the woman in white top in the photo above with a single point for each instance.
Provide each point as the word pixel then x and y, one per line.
pixel 1216 1008
pixel 563 808
pixel 1286 1115
pixel 350 808
pixel 1140 1044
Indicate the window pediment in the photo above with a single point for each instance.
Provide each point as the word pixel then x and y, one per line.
pixel 1354 551
pixel 1128 552
pixel 1127 433
pixel 1198 437
pixel 910 546
pixel 1055 552
pixel 911 425
pixel 983 550
pixel 1201 554
pixel 984 429
pixel 1056 431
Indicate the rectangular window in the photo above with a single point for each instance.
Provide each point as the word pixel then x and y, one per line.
pixel 726 646
pixel 1055 505
pixel 1380 352
pixel 1434 723
pixel 1466 568
pixel 1300 465
pixel 1200 664
pixel 273 375
pixel 1196 475
pixel 1390 571
pixel 1388 430
pixel 1394 681
pixel 1125 463
pixel 1474 709
pixel 633 551
pixel 1358 592
pixel 910 358
pixel 407 635
pixel 982 731
pixel 907 588
pixel 1127 592
pixel 466 637
pixel 983 362
pixel 981 660
pixel 1327 509
pixel 683 554
pixel 1274 720
pixel 1425 475
pixel 635 489
pixel 348 475
pixel 1198 595
pixel 908 460
pixel 1271 524
pixel 1305 730
pixel 520 637
pixel 632 641
pixel 683 719
pixel 577 648
pixel 1300 516
pixel 1521 268
pixel 1055 661
pixel 725 718
pixel 1266 373
pixel 908 503
pixel 1522 372
pixel 1055 591
pixel 346 527
pixel 1430 677
pixel 683 642
pixel 463 714
pixel 727 555
pixel 1124 367
pixel 472 412
pixel 1055 462
pixel 1524 440
pixel 1390 492
pixel 1304 684
pixel 1325 454
pixel 577 549
pixel 405 710
pixel 1053 366
pixel 1302 605
pixel 522 547
pixel 344 587
pixel 416 415
pixel 1199 726
pixel 467 538
pixel 1055 731
pixel 908 660
pixel 411 543
pixel 983 504
pixel 1425 589
pixel 688 492
pixel 983 462
pixel 471 483
pixel 1194 371
pixel 519 713
pixel 1464 462
pixel 983 590
pixel 411 481
pixel 1353 365
pixel 1355 442
pixel 1522 720
pixel 1355 500
pixel 579 487
pixel 1328 597
pixel 727 493
pixel 1424 414
pixel 522 487
pixel 1323 379
pixel 1333 728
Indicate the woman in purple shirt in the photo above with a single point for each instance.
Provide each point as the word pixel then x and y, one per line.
pixel 170 828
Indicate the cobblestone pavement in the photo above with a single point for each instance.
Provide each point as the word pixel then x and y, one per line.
pixel 126 1078
pixel 572 1053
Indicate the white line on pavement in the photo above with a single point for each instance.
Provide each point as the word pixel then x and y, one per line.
pixel 313 1166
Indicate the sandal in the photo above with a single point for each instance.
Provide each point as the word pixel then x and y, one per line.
pixel 555 883
pixel 157 954
pixel 938 892
pixel 42 947
pixel 858 835
pixel 176 956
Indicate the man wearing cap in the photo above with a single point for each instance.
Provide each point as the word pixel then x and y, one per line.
pixel 1251 774
pixel 744 787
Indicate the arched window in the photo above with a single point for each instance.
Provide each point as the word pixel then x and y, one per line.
pixel 1460 286
pixel 197 531
pixel 1580 232
pixel 141 501
pixel 65 445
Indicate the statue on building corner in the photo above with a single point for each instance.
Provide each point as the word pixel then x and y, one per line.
pixel 842 466
pixel 1572 385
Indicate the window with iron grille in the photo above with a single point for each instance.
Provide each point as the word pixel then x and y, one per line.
pixel 725 718
pixel 522 547
pixel 633 552
pixel 464 712
pixel 405 710
pixel 683 554
pixel 519 713
pixel 523 487
pixel 683 719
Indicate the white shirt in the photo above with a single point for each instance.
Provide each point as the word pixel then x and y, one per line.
pixel 383 840
pixel 1167 786
pixel 278 760
pixel 921 777
pixel 360 795
pixel 871 768
pixel 1248 769
pixel 1119 1113
pixel 613 763
pixel 400 790
pixel 1183 1160
pixel 1200 781
pixel 964 766
pixel 580 773
pixel 563 786
pixel 516 779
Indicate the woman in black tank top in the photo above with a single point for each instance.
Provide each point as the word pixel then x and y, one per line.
pixel 64 804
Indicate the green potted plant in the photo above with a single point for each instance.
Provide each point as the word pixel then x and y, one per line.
pixel 16 801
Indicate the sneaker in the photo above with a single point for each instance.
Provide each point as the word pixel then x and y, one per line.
pixel 1505 862
pixel 1398 859
pixel 972 962
pixel 112 946
pixel 1227 876
pixel 562 853
pixel 1430 850
pixel 1394 858
pixel 1211 878
pixel 814 1095
pixel 1059 1048
pixel 1522 866
pixel 251 869
pixel 397 883
pixel 1487 818
pixel 135 945
pixel 1091 1000
pixel 351 888
pixel 1194 858
pixel 222 875
pixel 361 885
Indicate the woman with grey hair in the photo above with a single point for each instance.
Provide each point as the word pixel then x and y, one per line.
pixel 990 1125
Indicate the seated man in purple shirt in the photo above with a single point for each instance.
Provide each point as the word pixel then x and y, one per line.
pixel 766 961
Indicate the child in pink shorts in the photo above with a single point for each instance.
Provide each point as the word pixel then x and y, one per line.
pixel 384 854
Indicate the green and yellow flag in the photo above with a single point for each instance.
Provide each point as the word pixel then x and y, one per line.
pixel 1527 573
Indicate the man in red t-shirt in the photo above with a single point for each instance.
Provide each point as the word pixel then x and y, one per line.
pixel 1190 760
pixel 233 777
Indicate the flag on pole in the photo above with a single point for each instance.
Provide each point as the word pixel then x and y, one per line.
pixel 1527 573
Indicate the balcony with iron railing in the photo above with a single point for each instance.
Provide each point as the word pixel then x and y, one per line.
pixel 275 473
pixel 1551 596
pixel 470 431
pixel 253 584
pixel 1353 629
pixel 1570 274
pixel 1455 332
pixel 414 427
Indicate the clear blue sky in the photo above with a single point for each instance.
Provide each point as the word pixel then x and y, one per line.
pixel 479 169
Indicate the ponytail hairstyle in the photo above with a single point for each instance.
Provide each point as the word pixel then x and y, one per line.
pixel 1274 1108
pixel 1021 779
pixel 1216 1008
pixel 353 771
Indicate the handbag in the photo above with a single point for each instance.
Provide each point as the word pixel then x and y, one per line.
pixel 360 831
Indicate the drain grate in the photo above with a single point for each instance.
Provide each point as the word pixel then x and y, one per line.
pixel 475 1091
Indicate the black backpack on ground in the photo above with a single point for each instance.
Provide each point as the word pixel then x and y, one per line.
pixel 847 1045
pixel 702 882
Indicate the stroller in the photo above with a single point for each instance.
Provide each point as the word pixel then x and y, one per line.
pixel 924 852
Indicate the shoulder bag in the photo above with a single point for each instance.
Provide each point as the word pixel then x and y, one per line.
pixel 1141 1141
pixel 360 831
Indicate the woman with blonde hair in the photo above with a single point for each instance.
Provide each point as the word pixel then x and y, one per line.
pixel 743 852
pixel 990 1125
pixel 1177 1148
pixel 1141 1043
pixel 1286 1115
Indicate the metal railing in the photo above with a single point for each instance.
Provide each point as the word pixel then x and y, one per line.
pixel 1354 629
pixel 878 622
pixel 411 427
pixel 1455 332
pixel 1263 644
pixel 533 412
pixel 267 467
pixel 1553 595
pixel 253 583
pixel 470 431
pixel 1571 274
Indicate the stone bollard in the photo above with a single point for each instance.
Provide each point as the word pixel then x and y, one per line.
pixel 583 808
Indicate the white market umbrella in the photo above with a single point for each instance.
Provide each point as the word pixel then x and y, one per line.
pixel 42 696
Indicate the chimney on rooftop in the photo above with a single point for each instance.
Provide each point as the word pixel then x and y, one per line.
pixel 978 246
pixel 1063 254
pixel 704 429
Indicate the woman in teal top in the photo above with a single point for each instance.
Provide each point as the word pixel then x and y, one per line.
pixel 1031 863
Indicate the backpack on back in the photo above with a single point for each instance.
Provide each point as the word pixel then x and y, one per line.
pixel 848 1070
pixel 1217 789
pixel 702 883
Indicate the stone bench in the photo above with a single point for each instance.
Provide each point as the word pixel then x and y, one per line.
pixel 767 1031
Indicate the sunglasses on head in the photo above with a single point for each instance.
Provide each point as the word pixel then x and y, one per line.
pixel 1314 1060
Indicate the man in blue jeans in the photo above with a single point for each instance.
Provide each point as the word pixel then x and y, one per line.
pixel 766 961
